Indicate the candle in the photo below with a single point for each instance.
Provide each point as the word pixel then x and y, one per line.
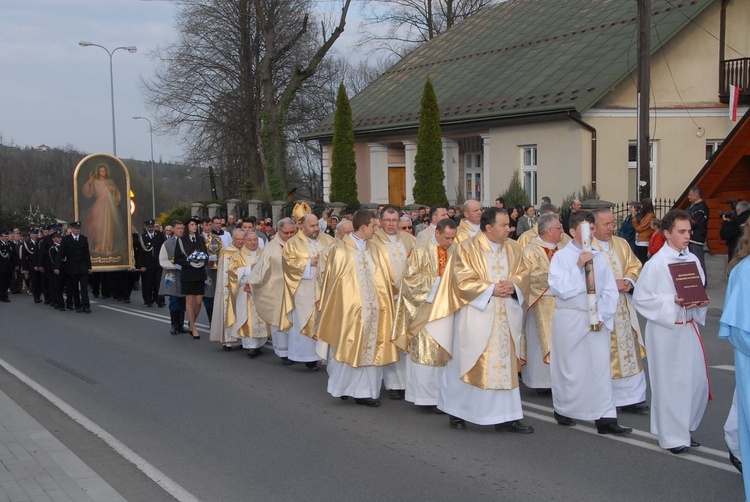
pixel 585 230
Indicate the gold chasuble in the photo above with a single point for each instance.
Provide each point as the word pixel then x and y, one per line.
pixel 424 269
pixel 267 282
pixel 302 294
pixel 488 356
pixel 398 252
pixel 536 258
pixel 465 231
pixel 242 316
pixel 525 238
pixel 219 332
pixel 356 305
pixel 627 345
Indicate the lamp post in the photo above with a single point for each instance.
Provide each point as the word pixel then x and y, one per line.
pixel 153 190
pixel 131 49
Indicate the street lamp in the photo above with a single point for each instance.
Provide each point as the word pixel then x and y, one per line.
pixel 153 190
pixel 131 49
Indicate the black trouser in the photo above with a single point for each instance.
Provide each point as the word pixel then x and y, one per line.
pixel 35 277
pixel 48 280
pixel 77 288
pixel 150 282
pixel 54 293
pixel 5 278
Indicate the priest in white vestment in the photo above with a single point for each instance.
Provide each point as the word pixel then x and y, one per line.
pixel 627 346
pixel 425 359
pixel 397 245
pixel 301 261
pixel 677 363
pixel 267 283
pixel 476 317
pixel 356 315
pixel 579 355
pixel 437 213
pixel 242 315
pixel 540 303
pixel 469 226
pixel 219 331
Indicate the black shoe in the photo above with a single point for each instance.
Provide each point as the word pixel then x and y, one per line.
pixel 562 420
pixel 253 353
pixel 161 305
pixel 286 361
pixel 544 392
pixel 367 401
pixel 149 304
pixel 37 300
pixel 679 449
pixel 456 423
pixel 61 309
pixel 437 411
pixel 79 310
pixel 637 408
pixel 5 299
pixel 126 300
pixel 313 366
pixel 737 463
pixel 614 429
pixel 69 307
pixel 86 309
pixel 226 347
pixel 694 443
pixel 396 394
pixel 173 330
pixel 182 330
pixel 514 426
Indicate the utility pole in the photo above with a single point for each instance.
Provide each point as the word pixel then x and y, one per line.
pixel 644 80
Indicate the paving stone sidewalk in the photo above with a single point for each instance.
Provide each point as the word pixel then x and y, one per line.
pixel 36 467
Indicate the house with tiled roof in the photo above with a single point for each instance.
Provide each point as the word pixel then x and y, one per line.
pixel 546 88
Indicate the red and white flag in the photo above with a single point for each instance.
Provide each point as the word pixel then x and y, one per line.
pixel 734 100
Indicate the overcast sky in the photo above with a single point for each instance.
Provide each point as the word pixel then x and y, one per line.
pixel 57 93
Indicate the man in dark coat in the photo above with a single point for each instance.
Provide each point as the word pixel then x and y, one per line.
pixel 731 228
pixel 8 264
pixel 74 259
pixel 151 241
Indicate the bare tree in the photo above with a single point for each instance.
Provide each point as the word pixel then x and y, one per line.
pixel 399 26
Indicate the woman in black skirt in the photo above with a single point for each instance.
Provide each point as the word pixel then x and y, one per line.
pixel 192 272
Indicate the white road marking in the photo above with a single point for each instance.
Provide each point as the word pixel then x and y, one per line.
pixel 161 479
pixel 154 317
pixel 636 442
pixel 727 367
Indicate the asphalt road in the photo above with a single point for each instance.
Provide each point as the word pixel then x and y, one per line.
pixel 227 428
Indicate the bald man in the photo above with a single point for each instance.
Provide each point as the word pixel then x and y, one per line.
pixel 469 226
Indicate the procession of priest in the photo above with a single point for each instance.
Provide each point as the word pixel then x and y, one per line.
pixel 458 317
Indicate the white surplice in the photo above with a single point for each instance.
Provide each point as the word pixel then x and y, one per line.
pixel 580 358
pixel 677 362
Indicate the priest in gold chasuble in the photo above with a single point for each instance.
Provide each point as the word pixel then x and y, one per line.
pixel 469 226
pixel 397 246
pixel 242 316
pixel 267 283
pixel 220 332
pixel 540 304
pixel 627 346
pixel 533 232
pixel 477 317
pixel 356 314
pixel 425 359
pixel 301 261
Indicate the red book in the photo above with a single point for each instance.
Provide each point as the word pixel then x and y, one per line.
pixel 688 283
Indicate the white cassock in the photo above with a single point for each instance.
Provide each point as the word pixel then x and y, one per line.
pixel 268 273
pixel 580 358
pixel 302 347
pixel 242 311
pixel 484 313
pixel 394 375
pixel 677 363
pixel 732 428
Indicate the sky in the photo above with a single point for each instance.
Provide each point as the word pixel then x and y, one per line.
pixel 54 92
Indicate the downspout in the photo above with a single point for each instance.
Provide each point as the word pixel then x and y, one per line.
pixel 592 130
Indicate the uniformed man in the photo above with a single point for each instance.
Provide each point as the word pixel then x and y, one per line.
pixel 74 259
pixel 30 266
pixel 8 264
pixel 151 241
pixel 55 294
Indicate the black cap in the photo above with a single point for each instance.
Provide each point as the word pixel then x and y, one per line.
pixel 74 224
pixel 4 233
pixel 56 234
pixel 150 223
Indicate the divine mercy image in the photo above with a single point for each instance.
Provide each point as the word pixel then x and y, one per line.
pixel 102 188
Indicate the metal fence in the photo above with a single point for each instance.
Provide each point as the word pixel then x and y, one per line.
pixel 620 210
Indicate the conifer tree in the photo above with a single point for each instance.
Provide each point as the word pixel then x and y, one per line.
pixel 343 162
pixel 429 188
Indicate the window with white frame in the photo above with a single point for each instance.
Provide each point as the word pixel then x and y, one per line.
pixel 529 172
pixel 473 176
pixel 711 146
pixel 633 168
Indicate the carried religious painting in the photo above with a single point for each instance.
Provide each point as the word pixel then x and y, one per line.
pixel 101 188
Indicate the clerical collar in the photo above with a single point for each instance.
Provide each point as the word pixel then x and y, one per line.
pixel 546 244
pixel 393 238
pixel 603 244
pixel 676 253
pixel 361 243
